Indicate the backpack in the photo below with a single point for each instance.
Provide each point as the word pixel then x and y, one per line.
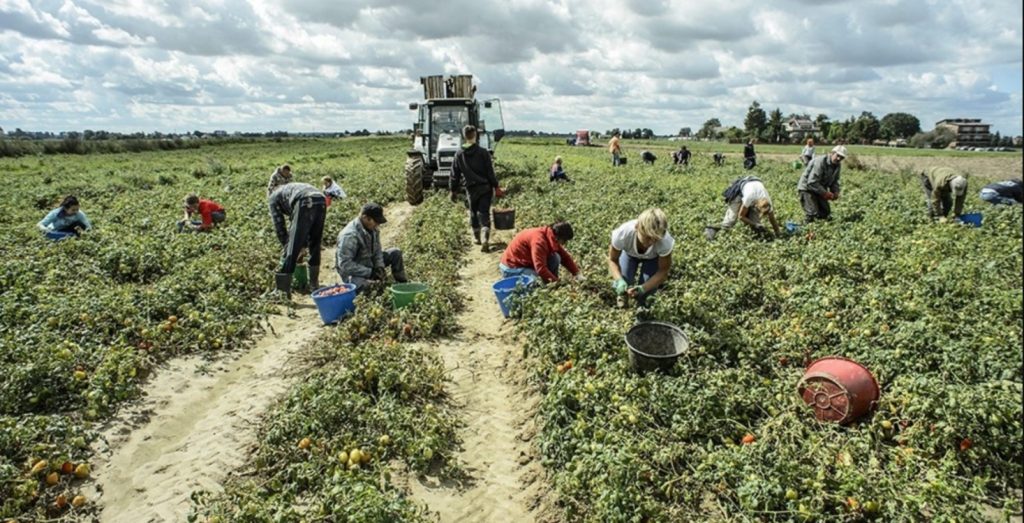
pixel 736 188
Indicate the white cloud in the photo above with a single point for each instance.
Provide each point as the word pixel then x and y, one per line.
pixel 559 64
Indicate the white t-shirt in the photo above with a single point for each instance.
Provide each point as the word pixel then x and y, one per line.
pixel 752 192
pixel 624 239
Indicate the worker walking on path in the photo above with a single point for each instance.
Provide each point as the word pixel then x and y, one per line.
pixel 472 165
pixel 1007 192
pixel 281 175
pixel 359 258
pixel 944 189
pixel 306 207
pixel 615 148
pixel 540 251
pixel 819 184
pixel 67 218
pixel 210 212
pixel 747 200
pixel 642 244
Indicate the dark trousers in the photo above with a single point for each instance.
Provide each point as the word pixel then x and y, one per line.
pixel 479 201
pixel 307 230
pixel 815 207
pixel 947 198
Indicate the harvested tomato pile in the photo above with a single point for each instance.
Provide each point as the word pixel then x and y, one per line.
pixel 334 291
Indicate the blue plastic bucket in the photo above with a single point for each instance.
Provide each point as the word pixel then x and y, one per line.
pixel 58 235
pixel 332 308
pixel 506 287
pixel 973 219
pixel 792 227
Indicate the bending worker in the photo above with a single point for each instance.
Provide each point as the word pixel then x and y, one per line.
pixel 306 207
pixel 540 251
pixel 748 200
pixel 819 184
pixel 67 218
pixel 941 185
pixel 644 244
pixel 209 211
pixel 1007 192
pixel 359 257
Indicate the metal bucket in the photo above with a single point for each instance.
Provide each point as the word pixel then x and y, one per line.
pixel 655 345
pixel 839 389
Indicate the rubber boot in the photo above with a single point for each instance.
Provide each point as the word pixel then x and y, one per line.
pixel 485 234
pixel 314 278
pixel 284 283
pixel 476 235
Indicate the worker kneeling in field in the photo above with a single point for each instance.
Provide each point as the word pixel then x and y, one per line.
pixel 819 184
pixel 644 244
pixel 648 157
pixel 210 212
pixel 557 173
pixel 473 164
pixel 748 200
pixel 945 190
pixel 1007 192
pixel 539 252
pixel 306 207
pixel 67 218
pixel 359 257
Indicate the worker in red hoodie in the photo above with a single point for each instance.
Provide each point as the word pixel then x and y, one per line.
pixel 539 252
pixel 210 211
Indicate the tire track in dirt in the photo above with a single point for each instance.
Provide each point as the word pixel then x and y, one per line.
pixel 197 421
pixel 486 381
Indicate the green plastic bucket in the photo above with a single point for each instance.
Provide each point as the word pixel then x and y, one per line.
pixel 300 278
pixel 403 294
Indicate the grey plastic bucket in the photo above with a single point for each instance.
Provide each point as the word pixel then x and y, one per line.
pixel 655 345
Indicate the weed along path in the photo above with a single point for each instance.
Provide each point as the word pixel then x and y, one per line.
pixel 198 418
pixel 504 479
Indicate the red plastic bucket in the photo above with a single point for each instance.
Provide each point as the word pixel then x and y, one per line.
pixel 839 389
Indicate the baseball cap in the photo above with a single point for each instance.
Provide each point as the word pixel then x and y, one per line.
pixel 959 185
pixel 374 211
pixel 840 150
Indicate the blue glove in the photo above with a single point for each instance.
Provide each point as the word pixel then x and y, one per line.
pixel 620 286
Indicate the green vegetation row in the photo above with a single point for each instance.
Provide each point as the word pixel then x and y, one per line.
pixel 373 396
pixel 84 321
pixel 934 310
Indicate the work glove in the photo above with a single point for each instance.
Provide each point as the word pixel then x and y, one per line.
pixel 637 291
pixel 829 196
pixel 378 273
pixel 620 286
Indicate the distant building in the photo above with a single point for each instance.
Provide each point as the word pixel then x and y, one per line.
pixel 220 133
pixel 799 129
pixel 969 131
pixel 1018 141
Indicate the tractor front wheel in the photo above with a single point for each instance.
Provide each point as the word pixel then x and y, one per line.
pixel 414 179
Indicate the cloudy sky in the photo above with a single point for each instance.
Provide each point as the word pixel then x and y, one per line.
pixel 558 65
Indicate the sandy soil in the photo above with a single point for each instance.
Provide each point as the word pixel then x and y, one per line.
pixel 197 419
pixel 486 370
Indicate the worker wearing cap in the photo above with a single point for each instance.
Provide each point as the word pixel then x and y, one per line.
pixel 941 185
pixel 359 258
pixel 819 184
pixel 306 207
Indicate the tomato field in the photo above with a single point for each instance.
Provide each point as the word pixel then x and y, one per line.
pixel 933 310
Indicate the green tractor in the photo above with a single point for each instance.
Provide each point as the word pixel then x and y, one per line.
pixel 437 134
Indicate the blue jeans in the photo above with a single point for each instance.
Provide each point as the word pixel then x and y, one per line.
pixel 554 262
pixel 628 265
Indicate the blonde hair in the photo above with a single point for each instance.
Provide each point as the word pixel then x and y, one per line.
pixel 763 205
pixel 651 225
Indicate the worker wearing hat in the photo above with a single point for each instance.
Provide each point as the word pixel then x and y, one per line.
pixel 819 184
pixel 944 189
pixel 359 257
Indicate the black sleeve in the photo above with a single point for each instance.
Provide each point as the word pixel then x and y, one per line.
pixel 491 178
pixel 455 180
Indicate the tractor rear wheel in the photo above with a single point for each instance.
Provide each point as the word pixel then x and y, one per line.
pixel 414 179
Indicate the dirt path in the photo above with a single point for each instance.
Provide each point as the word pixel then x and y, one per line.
pixel 197 420
pixel 485 364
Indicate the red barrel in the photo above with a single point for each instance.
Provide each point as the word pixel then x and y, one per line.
pixel 839 389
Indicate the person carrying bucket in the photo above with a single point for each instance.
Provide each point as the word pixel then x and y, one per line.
pixel 941 185
pixel 819 184
pixel 306 207
pixel 540 251
pixel 642 244
pixel 359 258
pixel 473 164
pixel 210 212
pixel 67 218
pixel 332 191
pixel 281 176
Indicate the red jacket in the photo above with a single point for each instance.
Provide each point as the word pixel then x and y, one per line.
pixel 531 248
pixel 206 210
